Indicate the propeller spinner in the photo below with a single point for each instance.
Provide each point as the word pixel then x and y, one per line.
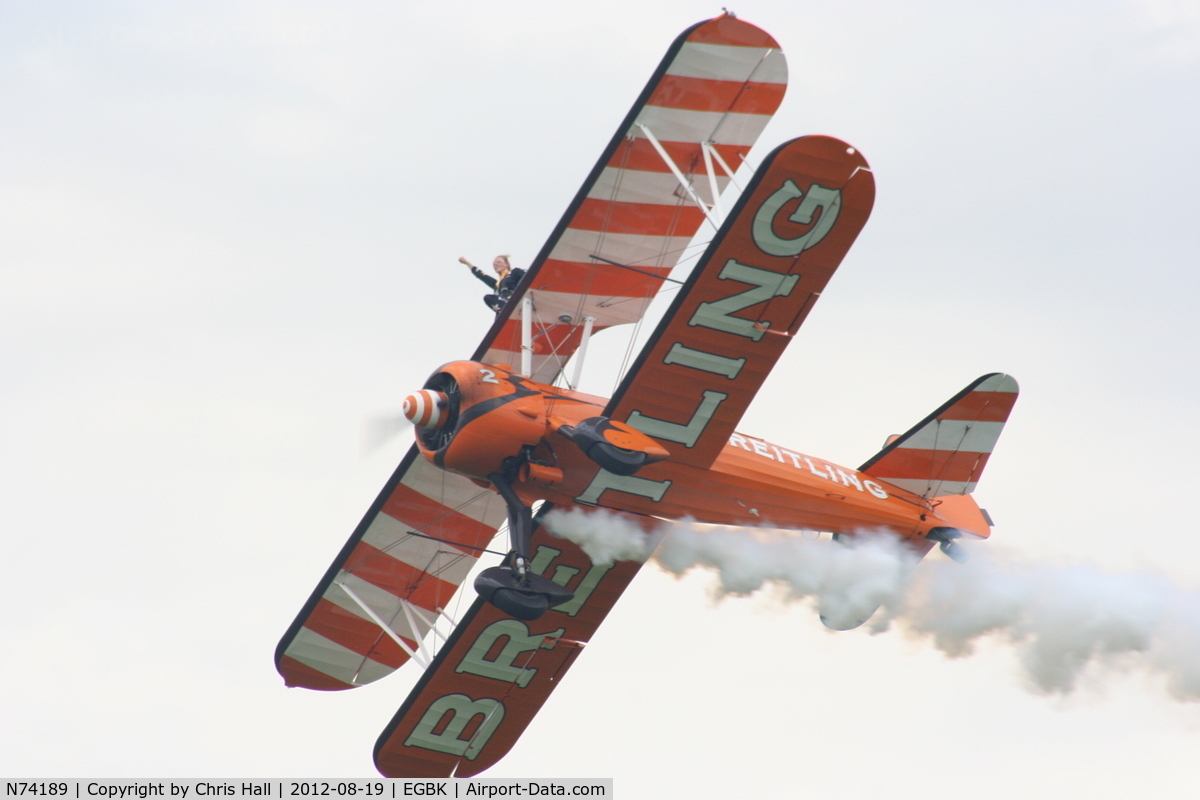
pixel 426 409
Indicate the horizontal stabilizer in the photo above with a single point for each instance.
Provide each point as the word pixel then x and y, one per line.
pixel 946 452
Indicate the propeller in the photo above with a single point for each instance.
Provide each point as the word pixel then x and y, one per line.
pixel 434 410
pixel 381 429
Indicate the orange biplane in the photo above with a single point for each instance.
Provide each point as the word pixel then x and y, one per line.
pixel 506 430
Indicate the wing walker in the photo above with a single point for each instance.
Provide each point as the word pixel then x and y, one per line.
pixel 506 430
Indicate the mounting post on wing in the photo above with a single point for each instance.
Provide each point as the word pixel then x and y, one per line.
pixel 711 151
pixel 527 334
pixel 679 176
pixel 581 353
pixel 712 180
pixel 410 614
pixel 422 657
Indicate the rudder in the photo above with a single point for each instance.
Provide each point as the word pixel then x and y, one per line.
pixel 945 453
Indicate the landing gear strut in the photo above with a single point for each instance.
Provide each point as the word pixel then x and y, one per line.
pixel 511 587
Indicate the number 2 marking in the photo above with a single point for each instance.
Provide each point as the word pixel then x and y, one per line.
pixel 488 376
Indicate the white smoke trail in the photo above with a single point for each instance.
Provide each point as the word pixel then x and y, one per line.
pixel 846 583
pixel 604 536
pixel 1060 619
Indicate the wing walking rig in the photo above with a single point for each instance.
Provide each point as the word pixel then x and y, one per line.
pixel 494 436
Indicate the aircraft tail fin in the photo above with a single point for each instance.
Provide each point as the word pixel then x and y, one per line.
pixel 945 453
pixel 941 458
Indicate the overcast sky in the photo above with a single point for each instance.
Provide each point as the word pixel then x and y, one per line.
pixel 228 237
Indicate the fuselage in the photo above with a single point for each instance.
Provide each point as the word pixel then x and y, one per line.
pixel 500 418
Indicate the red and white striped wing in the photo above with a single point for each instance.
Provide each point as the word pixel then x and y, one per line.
pixel 720 82
pixel 400 568
pixel 946 452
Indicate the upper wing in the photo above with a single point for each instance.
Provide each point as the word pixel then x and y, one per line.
pixel 495 672
pixel 747 298
pixel 391 580
pixel 719 83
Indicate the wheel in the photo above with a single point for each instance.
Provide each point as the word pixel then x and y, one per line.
pixel 525 606
pixel 524 599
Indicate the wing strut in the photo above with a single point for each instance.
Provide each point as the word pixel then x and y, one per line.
pixel 581 354
pixel 413 610
pixel 410 618
pixel 527 335
pixel 679 176
pixel 413 615
pixel 710 153
pixel 709 150
pixel 712 180
pixel 421 655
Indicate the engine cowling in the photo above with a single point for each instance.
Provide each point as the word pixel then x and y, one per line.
pixel 490 414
